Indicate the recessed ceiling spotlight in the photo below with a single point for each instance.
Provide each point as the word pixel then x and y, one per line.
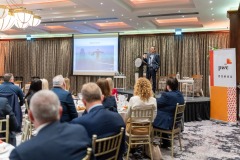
pixel 64 23
pixel 179 11
pixel 122 15
pixel 96 16
pixel 106 21
pixel 149 13
pixel 212 14
pixel 183 16
pixel 74 18
pixel 113 10
pixel 130 19
pixel 213 19
pixel 210 1
pixel 211 8
pixel 101 3
pixel 84 22
pixel 137 24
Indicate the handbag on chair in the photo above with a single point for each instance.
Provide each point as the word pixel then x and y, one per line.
pixel 156 152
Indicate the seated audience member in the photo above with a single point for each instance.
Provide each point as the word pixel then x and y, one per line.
pixel 35 86
pixel 8 87
pixel 112 89
pixel 6 109
pixel 143 96
pixel 99 120
pixel 44 84
pixel 69 109
pixel 109 101
pixel 54 140
pixel 67 82
pixel 166 106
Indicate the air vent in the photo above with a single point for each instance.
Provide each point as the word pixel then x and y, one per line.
pixel 169 14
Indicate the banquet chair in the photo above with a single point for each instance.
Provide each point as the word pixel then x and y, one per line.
pixel 4 129
pixel 176 129
pixel 88 156
pixel 27 130
pixel 26 104
pixel 107 146
pixel 198 84
pixel 162 83
pixel 139 130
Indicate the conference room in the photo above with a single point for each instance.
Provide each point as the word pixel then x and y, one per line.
pixel 136 79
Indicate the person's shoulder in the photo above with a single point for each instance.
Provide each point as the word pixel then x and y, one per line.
pixel 3 100
pixel 74 127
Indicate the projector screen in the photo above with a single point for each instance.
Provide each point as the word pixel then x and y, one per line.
pixel 95 54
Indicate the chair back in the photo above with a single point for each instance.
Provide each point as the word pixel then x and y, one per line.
pixel 88 156
pixel 4 129
pixel 107 146
pixel 141 120
pixel 26 104
pixel 27 130
pixel 178 116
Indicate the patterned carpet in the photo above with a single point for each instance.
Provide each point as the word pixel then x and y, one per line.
pixel 205 140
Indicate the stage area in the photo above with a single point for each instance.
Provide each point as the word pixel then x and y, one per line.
pixel 197 108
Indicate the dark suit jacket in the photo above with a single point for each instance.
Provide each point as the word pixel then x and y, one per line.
pixel 103 123
pixel 110 103
pixel 6 109
pixel 13 102
pixel 69 109
pixel 166 106
pixel 9 87
pixel 155 61
pixel 56 141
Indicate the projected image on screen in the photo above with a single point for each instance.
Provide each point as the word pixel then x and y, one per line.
pixel 95 55
pixel 97 58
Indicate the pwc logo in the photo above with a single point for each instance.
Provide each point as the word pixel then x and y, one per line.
pixel 225 67
pixel 229 61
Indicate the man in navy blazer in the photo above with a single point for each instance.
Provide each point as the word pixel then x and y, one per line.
pixel 6 109
pixel 99 120
pixel 166 106
pixel 153 62
pixel 65 97
pixel 54 140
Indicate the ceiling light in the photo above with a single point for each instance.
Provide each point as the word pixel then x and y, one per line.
pixel 101 3
pixel 179 11
pixel 35 21
pixel 213 19
pixel 3 11
pixel 130 19
pixel 211 8
pixel 183 16
pixel 210 1
pixel 212 14
pixel 122 15
pixel 7 22
pixel 149 13
pixel 113 10
pixel 85 22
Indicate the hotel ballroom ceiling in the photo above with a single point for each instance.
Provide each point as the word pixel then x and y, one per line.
pixel 125 16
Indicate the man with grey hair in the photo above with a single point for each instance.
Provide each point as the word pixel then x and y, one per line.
pixel 54 140
pixel 65 97
pixel 99 120
pixel 8 87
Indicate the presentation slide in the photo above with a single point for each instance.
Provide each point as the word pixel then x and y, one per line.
pixel 95 54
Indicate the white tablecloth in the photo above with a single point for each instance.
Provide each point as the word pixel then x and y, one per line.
pixel 9 148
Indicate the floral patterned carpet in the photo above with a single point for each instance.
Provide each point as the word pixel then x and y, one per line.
pixel 205 140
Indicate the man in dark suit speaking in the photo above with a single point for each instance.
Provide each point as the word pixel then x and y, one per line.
pixel 54 140
pixel 153 62
pixel 99 120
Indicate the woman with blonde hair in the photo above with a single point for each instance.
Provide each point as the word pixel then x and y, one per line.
pixel 67 83
pixel 143 96
pixel 45 84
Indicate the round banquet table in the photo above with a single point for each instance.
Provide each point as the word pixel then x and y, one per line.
pixel 5 155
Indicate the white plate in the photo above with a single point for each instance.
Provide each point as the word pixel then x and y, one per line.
pixel 3 150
